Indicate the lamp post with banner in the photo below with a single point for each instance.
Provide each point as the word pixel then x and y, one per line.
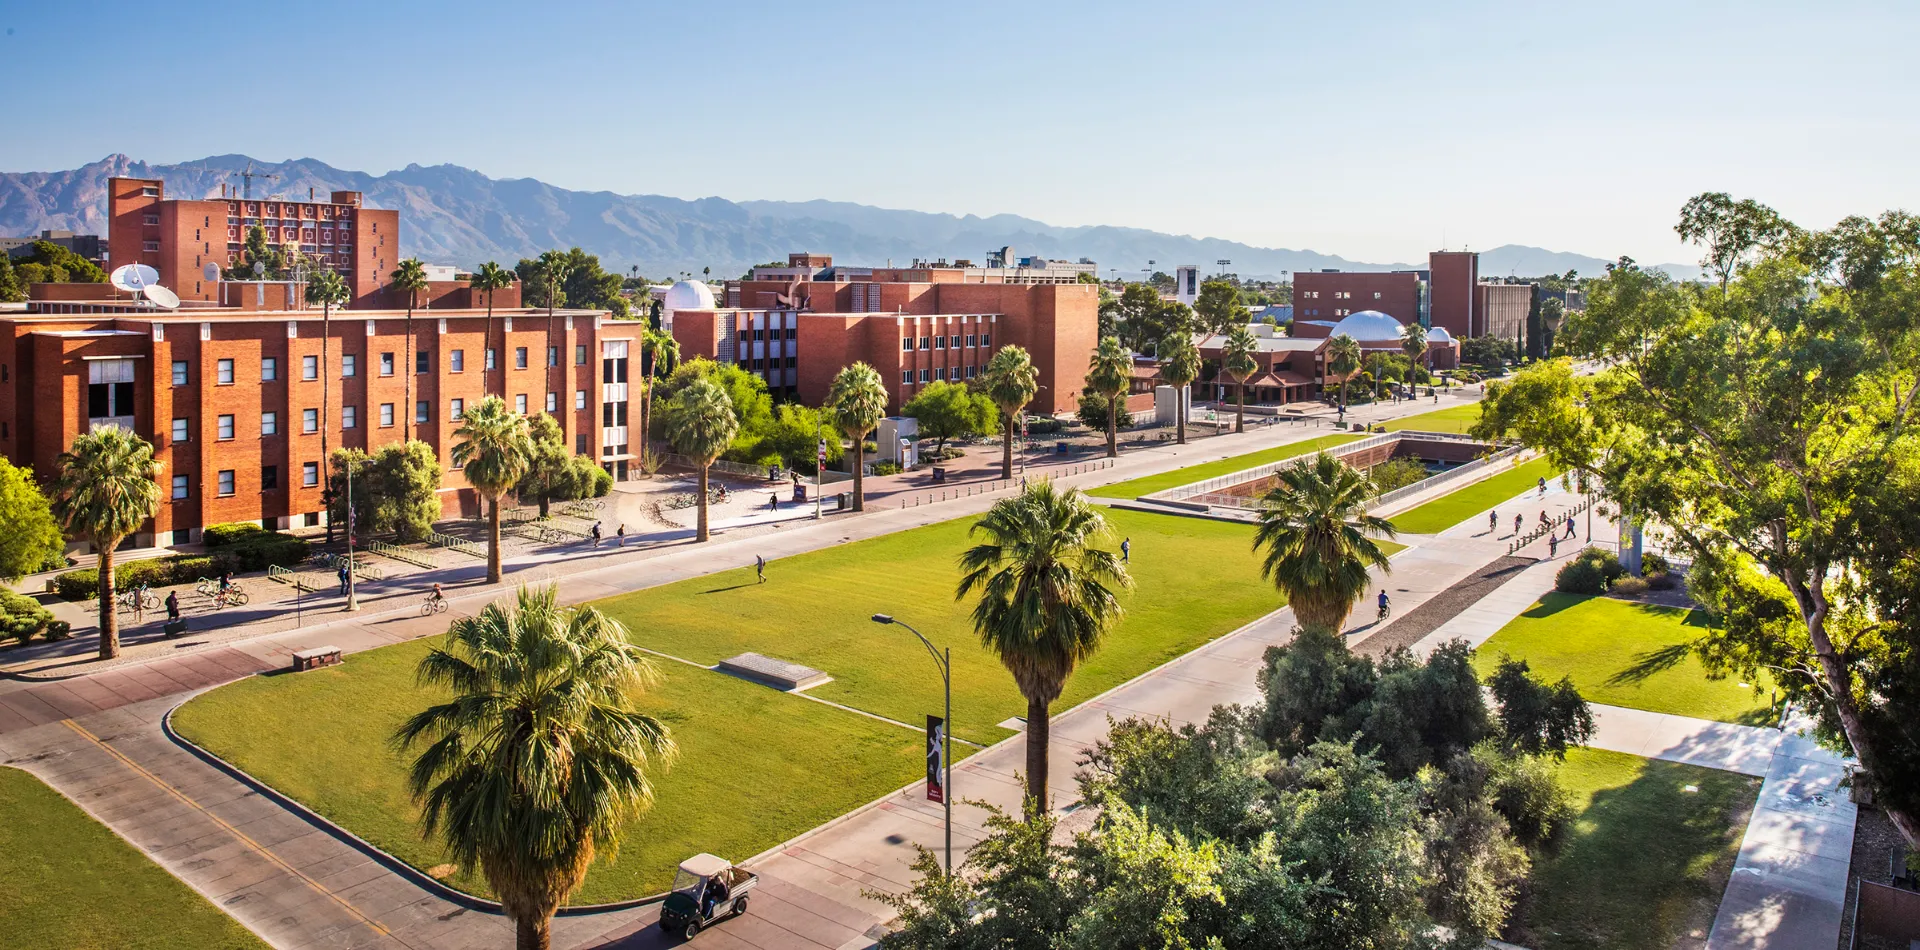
pixel 819 477
pixel 939 735
pixel 353 600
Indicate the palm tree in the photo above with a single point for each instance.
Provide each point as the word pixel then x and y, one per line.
pixel 700 424
pixel 489 278
pixel 1048 598
pixel 659 351
pixel 1011 382
pixel 554 267
pixel 1414 344
pixel 108 486
pixel 1343 357
pixel 1110 373
pixel 328 289
pixel 1179 366
pixel 495 449
pixel 1240 365
pixel 1316 532
pixel 857 402
pixel 410 277
pixel 540 760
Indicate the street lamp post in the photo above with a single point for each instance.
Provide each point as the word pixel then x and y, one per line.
pixel 353 599
pixel 819 477
pixel 946 732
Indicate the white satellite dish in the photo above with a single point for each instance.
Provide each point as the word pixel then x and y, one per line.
pixel 134 278
pixel 259 267
pixel 163 298
pixel 211 272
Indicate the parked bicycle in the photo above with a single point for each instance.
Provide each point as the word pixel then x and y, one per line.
pixel 138 599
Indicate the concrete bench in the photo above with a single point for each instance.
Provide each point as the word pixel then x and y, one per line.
pixel 318 656
pixel 776 673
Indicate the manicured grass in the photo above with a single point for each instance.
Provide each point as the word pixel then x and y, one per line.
pixel 1196 579
pixel 1148 484
pixel 1625 654
pixel 756 766
pixel 1646 862
pixel 1451 419
pixel 1454 507
pixel 71 883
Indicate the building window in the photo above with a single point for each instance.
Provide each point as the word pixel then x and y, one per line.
pixel 269 423
pixel 520 404
pixel 971 371
pixel 906 377
pixel 420 411
pixel 986 339
pixel 349 417
pixel 553 402
pixel 386 364
pixel 226 428
pixel 309 420
pixel 579 399
pixel 423 362
pixel 553 356
pixel 269 477
pixel 906 344
pixel 490 358
pixel 519 357
pixel 1376 295
pixel 940 373
pixel 182 430
pixel 309 367
pixel 459 410
pixel 179 372
pixel 926 343
pixel 926 375
pixel 110 391
pixel 225 370
pixel 954 341
pixel 973 339
pixel 149 245
pixel 386 415
pixel 269 370
pixel 580 355
pixel 309 474
pixel 349 364
pixel 179 487
pixel 226 482
pixel 457 361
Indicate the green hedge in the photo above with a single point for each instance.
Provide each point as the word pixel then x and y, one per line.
pixel 21 617
pixel 254 551
pixel 220 535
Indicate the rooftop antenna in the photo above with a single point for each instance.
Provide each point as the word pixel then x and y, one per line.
pixel 247 177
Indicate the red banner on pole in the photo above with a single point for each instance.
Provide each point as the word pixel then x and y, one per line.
pixel 936 759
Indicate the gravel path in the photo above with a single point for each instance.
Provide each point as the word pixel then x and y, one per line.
pixel 1444 606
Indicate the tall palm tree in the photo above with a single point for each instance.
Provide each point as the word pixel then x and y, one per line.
pixel 1011 382
pixel 540 760
pixel 700 424
pixel 495 449
pixel 1179 366
pixel 1240 364
pixel 107 487
pixel 659 351
pixel 1414 343
pixel 1110 373
pixel 411 278
pixel 1343 357
pixel 554 268
pixel 857 402
pixel 1318 539
pixel 329 290
pixel 489 278
pixel 1048 598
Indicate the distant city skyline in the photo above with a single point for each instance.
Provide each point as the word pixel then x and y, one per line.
pixel 1375 135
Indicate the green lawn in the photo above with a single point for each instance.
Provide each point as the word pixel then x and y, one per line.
pixel 756 766
pixel 1148 484
pixel 1456 419
pixel 1456 506
pixel 1646 862
pixel 71 883
pixel 1625 654
pixel 1196 578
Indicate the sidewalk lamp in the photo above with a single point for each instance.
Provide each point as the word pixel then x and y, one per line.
pixel 353 598
pixel 944 662
pixel 819 476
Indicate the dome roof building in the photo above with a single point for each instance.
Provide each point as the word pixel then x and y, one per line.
pixel 688 295
pixel 1368 326
pixel 1439 335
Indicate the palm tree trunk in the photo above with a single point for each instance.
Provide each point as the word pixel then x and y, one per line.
pixel 1039 732
pixel 109 619
pixel 1006 450
pixel 326 325
pixel 700 534
pixel 493 541
pixel 859 493
pixel 1180 405
pixel 1240 410
pixel 1113 424
pixel 406 375
pixel 532 934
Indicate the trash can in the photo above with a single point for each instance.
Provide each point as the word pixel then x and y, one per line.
pixel 939 475
pixel 1060 448
pixel 843 501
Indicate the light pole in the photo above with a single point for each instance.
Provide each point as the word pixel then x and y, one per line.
pixel 946 726
pixel 353 599
pixel 819 477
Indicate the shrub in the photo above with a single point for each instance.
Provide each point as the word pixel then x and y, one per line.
pixel 257 552
pixel 220 535
pixel 1629 586
pixel 1653 562
pixel 59 630
pixel 886 468
pixel 21 617
pixel 602 482
pixel 1589 572
pixel 1046 425
pixel 1662 581
pixel 82 584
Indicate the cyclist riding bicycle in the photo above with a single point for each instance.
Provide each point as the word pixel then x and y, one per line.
pixel 1385 604
pixel 437 595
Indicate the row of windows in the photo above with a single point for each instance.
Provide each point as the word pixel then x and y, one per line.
pixel 269 480
pixel 349 364
pixel 937 373
pixel 1337 294
pixel 350 416
pixel 761 333
pixel 946 342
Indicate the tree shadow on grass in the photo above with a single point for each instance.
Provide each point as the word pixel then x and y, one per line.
pixel 1554 603
pixel 1651 662
pixel 722 590
pixel 1643 867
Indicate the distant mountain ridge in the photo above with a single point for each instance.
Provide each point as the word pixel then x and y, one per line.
pixel 455 215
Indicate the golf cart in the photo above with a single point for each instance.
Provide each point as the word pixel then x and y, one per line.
pixel 706 889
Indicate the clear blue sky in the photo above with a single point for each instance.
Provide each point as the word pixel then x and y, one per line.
pixel 1373 131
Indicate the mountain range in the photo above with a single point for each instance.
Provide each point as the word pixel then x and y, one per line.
pixel 455 215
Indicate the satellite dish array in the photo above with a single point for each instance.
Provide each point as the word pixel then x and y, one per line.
pixel 141 280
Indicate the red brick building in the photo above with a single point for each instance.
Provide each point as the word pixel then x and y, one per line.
pixel 1449 294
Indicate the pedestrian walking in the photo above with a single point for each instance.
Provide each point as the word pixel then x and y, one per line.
pixel 1553 546
pixel 1569 527
pixel 596 534
pixel 1516 524
pixel 622 534
pixel 1543 486
pixel 1126 550
pixel 173 605
pixel 343 577
pixel 760 568
pixel 773 501
pixel 1493 521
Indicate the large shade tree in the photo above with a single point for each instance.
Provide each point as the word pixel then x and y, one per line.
pixel 856 402
pixel 700 425
pixel 1011 382
pixel 1180 366
pixel 409 278
pixel 107 487
pixel 1110 373
pixel 539 760
pixel 1218 308
pixel 31 536
pixel 493 449
pixel 491 277
pixel 1048 596
pixel 1316 539
pixel 1238 362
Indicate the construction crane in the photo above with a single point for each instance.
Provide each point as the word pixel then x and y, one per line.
pixel 247 177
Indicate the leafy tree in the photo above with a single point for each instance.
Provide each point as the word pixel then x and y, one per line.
pixel 746 392
pixel 32 536
pixel 1538 718
pixel 1318 539
pixel 700 425
pixel 12 289
pixel 395 490
pixel 1414 344
pixel 1107 316
pixel 1014 871
pixel 72 267
pixel 108 486
pixel 1096 411
pixel 856 402
pixel 540 759
pixel 494 450
pixel 489 278
pixel 795 436
pixel 1110 377
pixel 1047 599
pixel 1218 308
pixel 553 472
pixel 1011 381
pixel 1240 364
pixel 1145 319
pixel 1343 358
pixel 1141 886
pixel 1731 231
pixel 255 250
pixel 950 411
pixel 409 278
pixel 1385 367
pixel 1180 366
pixel 581 280
pixel 327 289
pixel 1491 352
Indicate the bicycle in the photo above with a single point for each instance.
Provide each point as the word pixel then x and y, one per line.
pixel 433 605
pixel 1386 610
pixel 138 599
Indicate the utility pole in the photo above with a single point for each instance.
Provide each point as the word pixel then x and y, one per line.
pixel 353 571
